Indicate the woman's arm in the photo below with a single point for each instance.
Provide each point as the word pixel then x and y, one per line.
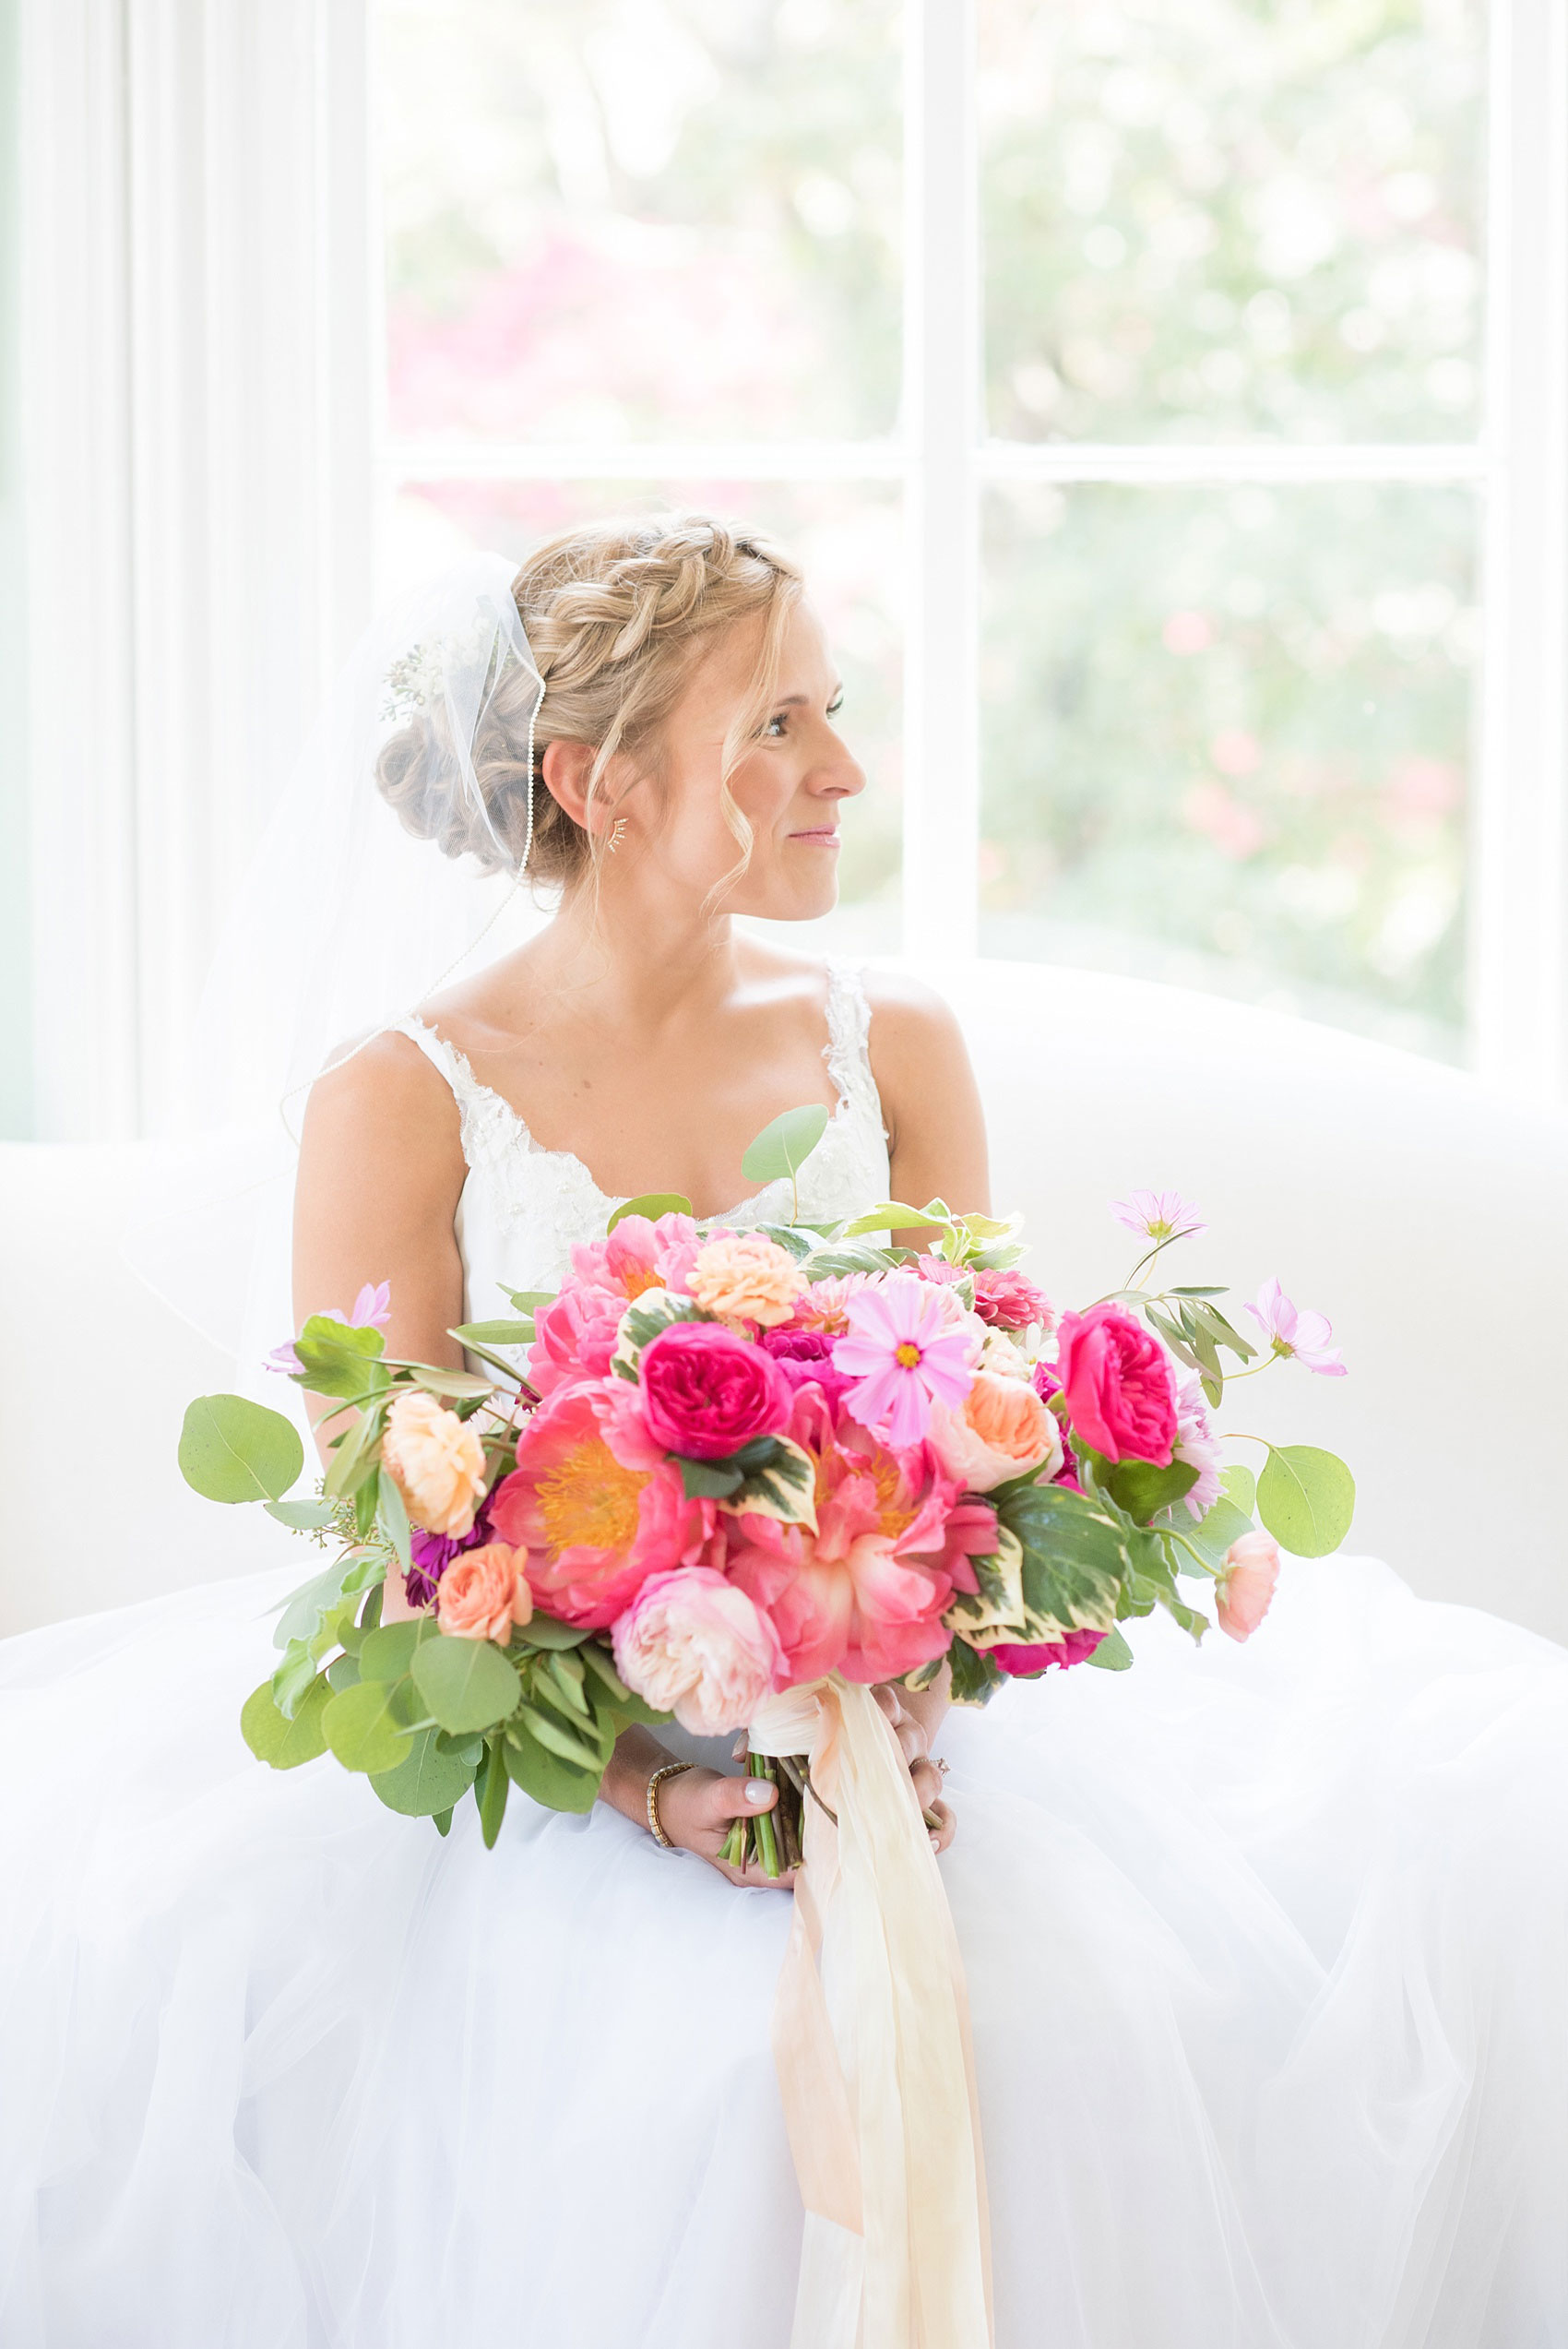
pixel 930 1101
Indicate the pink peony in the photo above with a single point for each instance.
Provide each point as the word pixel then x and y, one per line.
pixel 483 1593
pixel 1302 1337
pixel 694 1644
pixel 574 1336
pixel 1009 1301
pixel 595 1526
pixel 639 1254
pixel 1001 1429
pixel 1117 1381
pixel 707 1391
pixel 903 1354
pixel 1022 1664
pixel 1246 1582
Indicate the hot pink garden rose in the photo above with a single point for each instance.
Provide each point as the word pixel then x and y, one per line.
pixel 694 1644
pixel 595 1525
pixel 1246 1583
pixel 707 1391
pixel 1021 1663
pixel 1117 1383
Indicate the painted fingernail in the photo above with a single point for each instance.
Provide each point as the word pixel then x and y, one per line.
pixel 759 1794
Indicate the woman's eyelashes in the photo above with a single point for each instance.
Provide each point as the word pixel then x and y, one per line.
pixel 778 726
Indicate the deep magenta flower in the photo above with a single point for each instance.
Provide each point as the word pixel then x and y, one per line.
pixel 903 1354
pixel 1119 1385
pixel 1301 1336
pixel 1022 1664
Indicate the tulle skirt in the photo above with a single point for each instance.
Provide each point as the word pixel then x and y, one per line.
pixel 1268 1955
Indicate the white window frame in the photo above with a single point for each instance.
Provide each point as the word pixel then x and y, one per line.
pixel 206 459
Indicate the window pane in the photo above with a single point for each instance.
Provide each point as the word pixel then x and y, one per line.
pixel 845 536
pixel 1208 219
pixel 608 218
pixel 1227 742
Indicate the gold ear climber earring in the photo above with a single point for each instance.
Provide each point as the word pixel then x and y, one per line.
pixel 617 834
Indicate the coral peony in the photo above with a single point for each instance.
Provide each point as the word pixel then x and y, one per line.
pixel 694 1644
pixel 638 1255
pixel 1001 1429
pixel 437 1461
pixel 1022 1664
pixel 706 1390
pixel 747 1276
pixel 1246 1582
pixel 595 1527
pixel 574 1336
pixel 484 1593
pixel 1118 1384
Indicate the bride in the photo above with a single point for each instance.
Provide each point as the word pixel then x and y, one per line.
pixel 1266 1950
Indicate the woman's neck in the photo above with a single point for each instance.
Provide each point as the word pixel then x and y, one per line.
pixel 634 957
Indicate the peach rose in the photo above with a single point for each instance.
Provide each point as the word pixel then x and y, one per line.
pixel 1001 1429
pixel 435 1460
pixel 747 1276
pixel 482 1594
pixel 1246 1582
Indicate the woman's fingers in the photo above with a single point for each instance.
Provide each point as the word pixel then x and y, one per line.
pixel 927 1781
pixel 941 1834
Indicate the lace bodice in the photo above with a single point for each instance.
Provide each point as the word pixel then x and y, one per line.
pixel 523 1206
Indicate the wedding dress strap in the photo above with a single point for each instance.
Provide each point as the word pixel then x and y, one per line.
pixel 848 1053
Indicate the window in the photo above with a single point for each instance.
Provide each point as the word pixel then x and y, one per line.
pixel 1116 369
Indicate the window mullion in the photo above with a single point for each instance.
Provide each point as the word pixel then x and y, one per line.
pixel 942 415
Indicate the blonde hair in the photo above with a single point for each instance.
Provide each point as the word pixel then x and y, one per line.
pixel 617 615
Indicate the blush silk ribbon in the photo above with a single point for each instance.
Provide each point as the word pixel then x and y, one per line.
pixel 870 2036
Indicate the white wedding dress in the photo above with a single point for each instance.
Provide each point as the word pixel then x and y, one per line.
pixel 1267 1953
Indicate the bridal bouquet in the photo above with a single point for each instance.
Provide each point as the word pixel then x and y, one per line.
pixel 730 1463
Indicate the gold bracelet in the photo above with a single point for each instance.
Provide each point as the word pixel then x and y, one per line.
pixel 668 1769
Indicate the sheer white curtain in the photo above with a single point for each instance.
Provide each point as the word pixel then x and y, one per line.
pixel 198 395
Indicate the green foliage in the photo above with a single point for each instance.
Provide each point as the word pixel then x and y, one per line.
pixel 1306 1498
pixel 1212 1533
pixel 364 1725
pixel 838 1257
pixel 770 1475
pixel 656 1309
pixel 542 1773
pixel 892 1215
pixel 494 1333
pixel 782 1148
pixel 652 1204
pixel 234 1450
pixel 544 1631
pixel 1240 1486
pixel 1142 1489
pixel 306 1609
pixel 975 1678
pixel 490 1792
pixel 394 1516
pixel 426 1782
pixel 466 1684
pixel 273 1737
pixel 1113 1654
pixel 301 1516
pixel 1074 1553
pixel 388 1652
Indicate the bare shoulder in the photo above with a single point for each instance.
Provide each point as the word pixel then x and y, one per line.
pixel 381 1096
pixel 913 1028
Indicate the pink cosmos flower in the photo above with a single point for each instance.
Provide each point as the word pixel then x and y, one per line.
pixel 1301 1335
pixel 904 1356
pixel 1158 1215
pixel 1022 1664
pixel 1197 1445
pixel 639 1254
pixel 1246 1583
pixel 595 1525
pixel 373 1310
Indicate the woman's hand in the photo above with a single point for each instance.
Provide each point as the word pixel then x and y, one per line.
pixel 914 1744
pixel 697 1809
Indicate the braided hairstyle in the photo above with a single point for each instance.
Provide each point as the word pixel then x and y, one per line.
pixel 617 615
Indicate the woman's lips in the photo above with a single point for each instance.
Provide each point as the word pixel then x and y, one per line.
pixel 822 835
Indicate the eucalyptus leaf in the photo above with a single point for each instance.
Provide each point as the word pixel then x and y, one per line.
pixel 394 1516
pixel 388 1653
pixel 545 1631
pixel 527 1301
pixel 1219 1526
pixel 491 1788
pixel 557 1739
pixel 468 1684
pixel 365 1726
pixel 545 1776
pixel 232 1450
pixel 283 1743
pixel 1306 1498
pixel 783 1146
pixel 427 1781
pixel 343 1672
pixel 337 1360
pixel 493 1333
pixel 1240 1485
pixel 651 1204
pixel 459 1385
pixel 301 1516
pixel 1144 1489
pixel 306 1609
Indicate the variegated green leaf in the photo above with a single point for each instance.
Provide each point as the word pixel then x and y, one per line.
pixel 784 1487
pixel 992 1617
pixel 656 1309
